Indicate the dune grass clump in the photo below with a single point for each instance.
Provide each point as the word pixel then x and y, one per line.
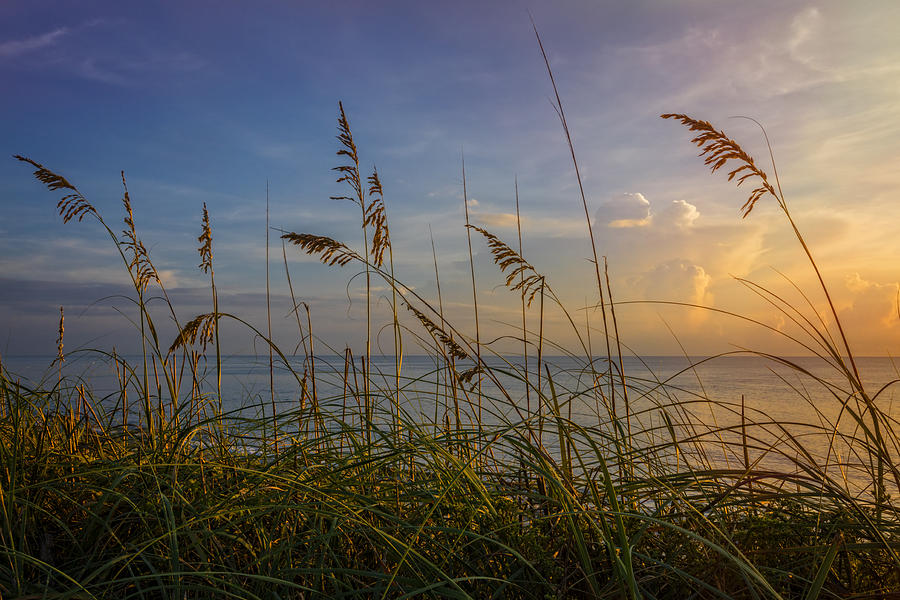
pixel 160 490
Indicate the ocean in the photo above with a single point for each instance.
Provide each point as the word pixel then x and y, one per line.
pixel 784 408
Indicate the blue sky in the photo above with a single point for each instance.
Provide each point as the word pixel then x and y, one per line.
pixel 207 101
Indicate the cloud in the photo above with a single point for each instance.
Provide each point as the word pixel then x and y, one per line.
pixel 498 219
pixel 873 304
pixel 34 297
pixel 746 62
pixel 676 280
pixel 624 210
pixel 870 319
pixel 634 210
pixel 680 214
pixel 168 278
pixel 126 70
pixel 13 48
pixel 804 28
pixel 472 202
pixel 73 53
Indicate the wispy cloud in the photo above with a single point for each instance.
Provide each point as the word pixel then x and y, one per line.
pixel 69 49
pixel 123 71
pixel 15 48
pixel 498 219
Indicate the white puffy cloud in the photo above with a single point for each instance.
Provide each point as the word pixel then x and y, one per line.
pixel 676 280
pixel 679 214
pixel 624 210
pixel 634 210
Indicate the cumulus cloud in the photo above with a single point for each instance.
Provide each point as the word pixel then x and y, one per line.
pixel 870 318
pixel 676 280
pixel 679 214
pixel 634 210
pixel 872 304
pixel 624 210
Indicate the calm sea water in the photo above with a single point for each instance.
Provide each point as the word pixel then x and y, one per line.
pixel 775 389
pixel 803 401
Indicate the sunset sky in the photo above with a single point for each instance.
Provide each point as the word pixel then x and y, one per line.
pixel 208 101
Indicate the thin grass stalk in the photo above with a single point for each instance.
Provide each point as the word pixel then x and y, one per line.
pixel 312 354
pixel 60 356
pixel 474 289
pixel 160 413
pixel 363 402
pixel 294 305
pixel 269 331
pixel 562 439
pixel 194 402
pixel 587 217
pixel 140 287
pixel 3 398
pixel 148 411
pixel 540 362
pixel 597 386
pixel 441 364
pixel 449 360
pixel 362 409
pixel 215 298
pixel 744 446
pixel 524 321
pixel 206 265
pixel 356 184
pixel 398 339
pixel 365 368
pixel 612 310
pixel 121 379
pixel 376 215
pixel 347 359
pixel 294 309
pixel 170 376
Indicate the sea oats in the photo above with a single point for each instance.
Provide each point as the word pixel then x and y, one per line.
pixel 70 206
pixel 140 265
pixel 510 260
pixel 205 240
pixel 59 338
pixel 330 252
pixel 717 149
pixel 453 348
pixel 377 218
pixel 348 173
pixel 202 328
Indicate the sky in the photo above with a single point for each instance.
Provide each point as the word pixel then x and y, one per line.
pixel 211 102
